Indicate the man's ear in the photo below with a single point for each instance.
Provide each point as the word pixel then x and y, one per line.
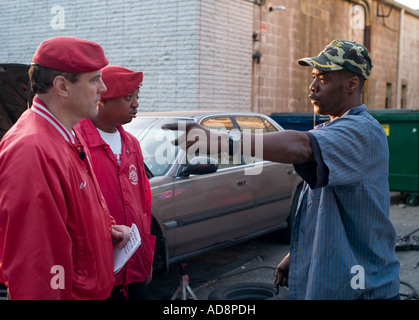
pixel 60 85
pixel 352 84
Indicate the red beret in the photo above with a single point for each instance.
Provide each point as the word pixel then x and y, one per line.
pixel 70 54
pixel 120 81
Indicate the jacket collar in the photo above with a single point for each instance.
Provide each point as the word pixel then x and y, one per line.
pixel 40 108
pixel 92 136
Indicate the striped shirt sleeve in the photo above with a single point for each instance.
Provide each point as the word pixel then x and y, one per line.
pixel 315 173
pixel 344 148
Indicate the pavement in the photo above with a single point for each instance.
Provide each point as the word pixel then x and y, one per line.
pixel 406 219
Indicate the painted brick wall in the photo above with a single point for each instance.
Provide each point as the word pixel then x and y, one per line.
pixel 225 54
pixel 194 54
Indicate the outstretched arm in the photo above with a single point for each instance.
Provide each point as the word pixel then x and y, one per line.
pixel 289 146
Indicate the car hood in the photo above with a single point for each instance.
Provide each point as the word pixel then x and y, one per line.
pixel 14 96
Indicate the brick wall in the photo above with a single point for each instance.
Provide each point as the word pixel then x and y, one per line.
pixel 302 30
pixel 410 62
pixel 307 26
pixel 198 53
pixel 194 54
pixel 224 69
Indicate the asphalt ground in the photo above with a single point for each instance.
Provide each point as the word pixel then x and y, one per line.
pixel 406 219
pixel 254 261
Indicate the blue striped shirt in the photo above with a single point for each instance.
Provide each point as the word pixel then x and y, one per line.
pixel 343 242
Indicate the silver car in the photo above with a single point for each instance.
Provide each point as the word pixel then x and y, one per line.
pixel 202 204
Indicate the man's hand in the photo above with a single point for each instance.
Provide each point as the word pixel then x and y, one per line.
pixel 197 138
pixel 281 274
pixel 120 235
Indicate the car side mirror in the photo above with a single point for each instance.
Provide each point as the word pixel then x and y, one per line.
pixel 200 165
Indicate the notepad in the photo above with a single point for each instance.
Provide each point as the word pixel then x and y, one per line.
pixel 122 255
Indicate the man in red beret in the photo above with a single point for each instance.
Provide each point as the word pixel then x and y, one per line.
pixel 56 233
pixel 119 167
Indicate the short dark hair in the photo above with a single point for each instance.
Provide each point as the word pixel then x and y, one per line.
pixel 41 78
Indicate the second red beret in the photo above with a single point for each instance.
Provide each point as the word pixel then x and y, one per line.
pixel 120 81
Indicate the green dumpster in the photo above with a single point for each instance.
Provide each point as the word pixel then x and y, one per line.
pixel 402 130
pixel 298 121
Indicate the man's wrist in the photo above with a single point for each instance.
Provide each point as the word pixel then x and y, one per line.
pixel 234 140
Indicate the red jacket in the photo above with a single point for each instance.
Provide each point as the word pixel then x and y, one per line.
pixel 52 214
pixel 127 193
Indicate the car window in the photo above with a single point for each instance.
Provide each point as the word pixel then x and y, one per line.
pixel 269 126
pixel 156 144
pixel 222 123
pixel 254 125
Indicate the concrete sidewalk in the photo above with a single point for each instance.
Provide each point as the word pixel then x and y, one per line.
pixel 406 220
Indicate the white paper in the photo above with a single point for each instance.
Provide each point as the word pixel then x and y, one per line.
pixel 121 256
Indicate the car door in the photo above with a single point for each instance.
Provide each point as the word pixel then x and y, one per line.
pixel 270 183
pixel 208 206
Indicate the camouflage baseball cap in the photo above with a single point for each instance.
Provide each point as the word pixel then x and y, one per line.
pixel 342 54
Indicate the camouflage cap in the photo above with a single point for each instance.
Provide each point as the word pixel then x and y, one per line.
pixel 340 55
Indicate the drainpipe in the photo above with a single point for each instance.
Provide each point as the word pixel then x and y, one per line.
pixel 399 61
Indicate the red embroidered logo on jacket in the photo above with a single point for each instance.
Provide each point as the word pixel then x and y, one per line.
pixel 133 177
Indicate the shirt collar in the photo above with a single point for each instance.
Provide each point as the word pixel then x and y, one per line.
pixel 353 111
pixel 39 107
pixel 356 110
pixel 92 135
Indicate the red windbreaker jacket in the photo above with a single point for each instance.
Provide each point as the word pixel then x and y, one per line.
pixel 55 238
pixel 127 193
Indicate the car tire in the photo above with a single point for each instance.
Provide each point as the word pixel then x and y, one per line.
pixel 412 200
pixel 159 260
pixel 243 291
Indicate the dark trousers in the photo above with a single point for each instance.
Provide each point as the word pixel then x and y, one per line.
pixel 133 291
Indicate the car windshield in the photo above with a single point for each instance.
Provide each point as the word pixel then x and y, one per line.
pixel 156 144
